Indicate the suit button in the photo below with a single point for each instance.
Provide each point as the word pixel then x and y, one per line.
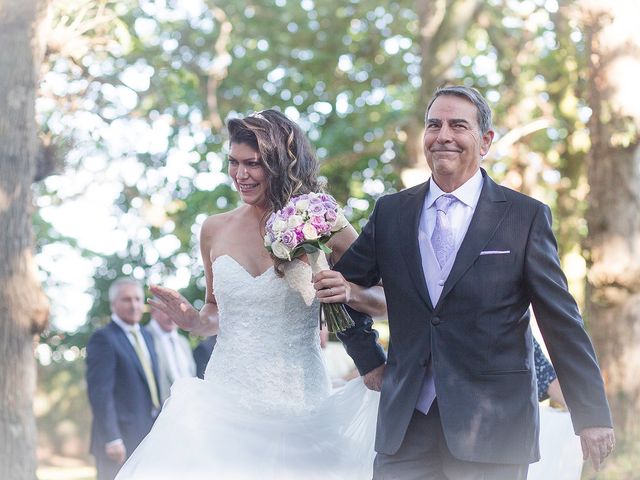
pixel 435 321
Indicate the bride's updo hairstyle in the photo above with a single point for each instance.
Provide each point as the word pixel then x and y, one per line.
pixel 289 160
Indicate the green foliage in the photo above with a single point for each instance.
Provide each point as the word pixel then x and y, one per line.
pixel 348 72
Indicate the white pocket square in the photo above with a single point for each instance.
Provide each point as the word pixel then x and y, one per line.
pixel 495 252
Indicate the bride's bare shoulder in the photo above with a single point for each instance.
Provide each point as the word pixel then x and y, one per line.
pixel 221 220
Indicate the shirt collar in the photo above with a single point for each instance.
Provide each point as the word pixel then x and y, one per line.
pixel 124 325
pixel 466 193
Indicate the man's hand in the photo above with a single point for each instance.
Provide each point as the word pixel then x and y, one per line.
pixel 116 452
pixel 597 443
pixel 373 379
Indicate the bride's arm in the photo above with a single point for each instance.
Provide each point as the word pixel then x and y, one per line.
pixel 332 287
pixel 208 321
pixel 178 308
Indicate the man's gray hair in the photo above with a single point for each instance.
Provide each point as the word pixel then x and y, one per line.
pixel 114 288
pixel 471 94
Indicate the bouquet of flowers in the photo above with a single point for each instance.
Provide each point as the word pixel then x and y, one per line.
pixel 305 225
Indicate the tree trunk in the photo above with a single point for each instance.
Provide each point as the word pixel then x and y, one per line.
pixel 613 169
pixel 23 308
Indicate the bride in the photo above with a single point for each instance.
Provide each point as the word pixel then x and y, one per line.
pixel 265 408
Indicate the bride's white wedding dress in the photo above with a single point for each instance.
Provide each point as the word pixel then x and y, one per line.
pixel 265 409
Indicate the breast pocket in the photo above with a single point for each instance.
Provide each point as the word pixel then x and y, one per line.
pixel 495 259
pixel 498 278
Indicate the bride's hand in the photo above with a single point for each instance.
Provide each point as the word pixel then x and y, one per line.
pixel 175 306
pixel 332 287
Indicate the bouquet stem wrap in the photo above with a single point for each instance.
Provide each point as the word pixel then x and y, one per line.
pixel 335 314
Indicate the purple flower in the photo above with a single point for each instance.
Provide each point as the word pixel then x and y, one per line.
pixel 316 209
pixel 289 238
pixel 330 205
pixel 330 216
pixel 287 211
pixel 271 219
pixel 320 225
pixel 271 235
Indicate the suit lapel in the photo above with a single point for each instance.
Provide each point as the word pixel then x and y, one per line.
pixel 409 221
pixel 491 208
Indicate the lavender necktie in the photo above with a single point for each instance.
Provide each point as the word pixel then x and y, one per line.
pixel 442 239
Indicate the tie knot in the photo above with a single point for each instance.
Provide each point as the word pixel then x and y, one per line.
pixel 443 202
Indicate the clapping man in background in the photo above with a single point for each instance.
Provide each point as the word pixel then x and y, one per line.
pixel 175 359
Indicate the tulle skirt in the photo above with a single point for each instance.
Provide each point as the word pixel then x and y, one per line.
pixel 560 451
pixel 201 434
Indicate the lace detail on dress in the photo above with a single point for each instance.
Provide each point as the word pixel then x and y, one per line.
pixel 267 353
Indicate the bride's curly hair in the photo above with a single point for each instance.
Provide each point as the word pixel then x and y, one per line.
pixel 289 160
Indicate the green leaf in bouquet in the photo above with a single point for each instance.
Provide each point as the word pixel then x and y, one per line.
pixel 310 247
pixel 325 248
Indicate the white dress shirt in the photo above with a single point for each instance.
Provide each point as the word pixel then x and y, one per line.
pixel 179 365
pixel 459 216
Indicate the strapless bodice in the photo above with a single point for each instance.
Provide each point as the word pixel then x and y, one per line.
pixel 268 346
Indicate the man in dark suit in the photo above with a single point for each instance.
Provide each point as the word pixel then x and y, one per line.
pixel 121 380
pixel 461 260
pixel 202 354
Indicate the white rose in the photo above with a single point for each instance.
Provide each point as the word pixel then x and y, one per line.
pixel 267 241
pixel 279 226
pixel 294 221
pixel 302 205
pixel 280 250
pixel 310 232
pixel 341 222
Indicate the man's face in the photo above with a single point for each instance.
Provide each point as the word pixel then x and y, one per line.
pixel 128 304
pixel 453 143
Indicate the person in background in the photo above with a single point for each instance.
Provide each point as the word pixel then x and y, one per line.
pixel 122 372
pixel 175 359
pixel 548 384
pixel 202 354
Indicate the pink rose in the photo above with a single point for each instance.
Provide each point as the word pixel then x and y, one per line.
pixel 320 225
